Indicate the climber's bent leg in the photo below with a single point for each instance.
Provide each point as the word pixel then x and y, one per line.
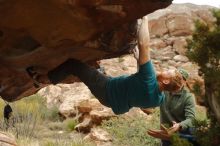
pixel 95 80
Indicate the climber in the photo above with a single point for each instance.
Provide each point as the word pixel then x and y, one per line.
pixel 143 89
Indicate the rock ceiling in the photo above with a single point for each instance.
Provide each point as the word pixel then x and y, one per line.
pixel 44 33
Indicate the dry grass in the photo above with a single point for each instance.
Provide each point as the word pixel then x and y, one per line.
pixel 35 125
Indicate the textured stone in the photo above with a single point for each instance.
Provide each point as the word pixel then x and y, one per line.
pixel 157 27
pixel 124 65
pixel 157 43
pixel 180 25
pixel 73 97
pixel 101 114
pixel 180 58
pixel 100 137
pixel 45 33
pixel 179 45
pixel 85 125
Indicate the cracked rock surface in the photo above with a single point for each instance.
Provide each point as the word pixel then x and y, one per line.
pixel 45 33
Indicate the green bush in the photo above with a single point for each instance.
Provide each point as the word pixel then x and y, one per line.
pixel 35 124
pixel 29 113
pixel 25 141
pixel 132 131
pixel 51 114
pixel 177 141
pixel 2 105
pixel 70 124
pixel 25 117
pixel 56 126
pixel 197 89
pixel 207 132
pixel 204 49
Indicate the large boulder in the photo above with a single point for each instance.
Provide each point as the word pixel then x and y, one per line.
pixel 100 137
pixel 45 33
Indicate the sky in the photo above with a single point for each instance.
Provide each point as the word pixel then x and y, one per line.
pixel 215 3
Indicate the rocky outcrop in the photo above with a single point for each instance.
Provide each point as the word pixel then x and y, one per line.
pixel 92 113
pixel 75 100
pixel 178 19
pixel 100 137
pixel 45 33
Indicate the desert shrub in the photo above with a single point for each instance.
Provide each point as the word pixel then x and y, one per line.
pixel 132 131
pixel 70 124
pixel 197 89
pixel 59 142
pixel 55 126
pixel 207 132
pixel 25 141
pixel 2 105
pixel 204 49
pixel 51 114
pixel 177 141
pixel 28 114
pixel 200 114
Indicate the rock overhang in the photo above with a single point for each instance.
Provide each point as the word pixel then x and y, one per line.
pixel 46 33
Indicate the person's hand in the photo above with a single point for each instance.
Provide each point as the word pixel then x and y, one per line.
pixel 135 51
pixel 176 127
pixel 146 30
pixel 143 42
pixel 164 133
pixel 161 134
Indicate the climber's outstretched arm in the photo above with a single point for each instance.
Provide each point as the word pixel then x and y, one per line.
pixel 143 42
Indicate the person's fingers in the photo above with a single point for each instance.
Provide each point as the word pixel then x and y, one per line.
pixel 154 130
pixel 159 131
pixel 150 132
pixel 174 122
pixel 165 136
pixel 163 127
pixel 159 135
pixel 153 135
pixel 134 50
pixel 171 130
pixel 145 18
pixel 156 135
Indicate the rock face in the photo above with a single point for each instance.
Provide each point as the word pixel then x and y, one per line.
pixel 100 137
pixel 45 33
pixel 75 100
